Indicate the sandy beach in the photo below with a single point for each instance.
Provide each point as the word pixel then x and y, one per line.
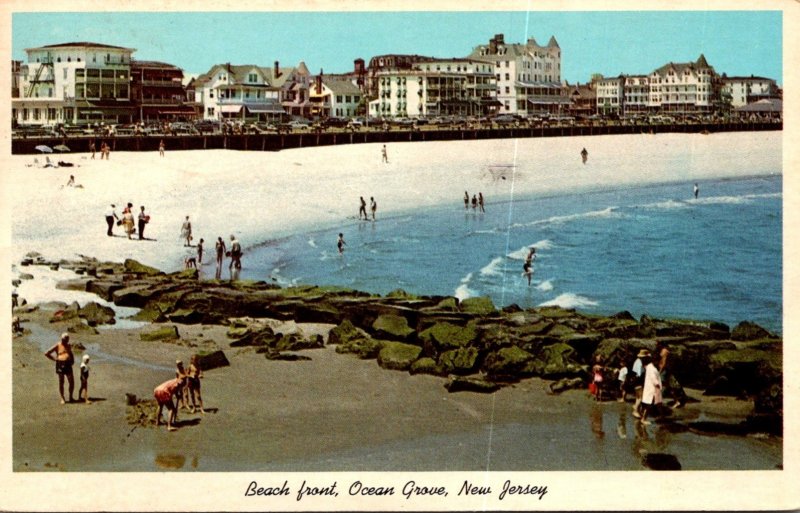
pixel 333 413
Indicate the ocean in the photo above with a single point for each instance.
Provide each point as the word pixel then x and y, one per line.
pixel 652 250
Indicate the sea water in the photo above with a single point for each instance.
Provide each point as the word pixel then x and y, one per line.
pixel 654 250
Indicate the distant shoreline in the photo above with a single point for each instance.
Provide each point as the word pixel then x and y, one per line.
pixel 311 138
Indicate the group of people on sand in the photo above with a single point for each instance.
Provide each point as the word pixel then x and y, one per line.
pixel 362 209
pixel 176 393
pixel 649 378
pixel 477 201
pixel 127 221
pixel 62 355
pixel 221 251
pixel 105 150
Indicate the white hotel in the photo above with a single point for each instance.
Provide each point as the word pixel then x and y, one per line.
pixel 74 83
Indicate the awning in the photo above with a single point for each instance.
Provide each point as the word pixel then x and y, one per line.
pixel 269 108
pixel 230 109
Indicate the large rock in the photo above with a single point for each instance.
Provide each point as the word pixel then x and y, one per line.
pixel 104 288
pixel 165 333
pixel 463 360
pixel 132 266
pixel 392 327
pixel 444 336
pixel 264 336
pixel 747 370
pixel 186 316
pixel 213 360
pixel 343 332
pixel 747 330
pixel 507 363
pixel 67 313
pixel 478 306
pixel 397 355
pixel 470 384
pixel 363 346
pixel 318 312
pixel 95 314
pixel 425 365
pixel 555 361
pixel 78 284
pixel 295 342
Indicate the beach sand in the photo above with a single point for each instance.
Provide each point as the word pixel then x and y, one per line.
pixel 334 412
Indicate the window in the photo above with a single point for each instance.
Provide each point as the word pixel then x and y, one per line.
pixel 51 113
pixel 210 111
pixel 348 99
pixel 508 77
pixel 507 64
pixel 508 90
pixel 252 77
pixel 338 98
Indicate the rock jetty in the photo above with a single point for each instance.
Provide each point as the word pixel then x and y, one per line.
pixel 476 345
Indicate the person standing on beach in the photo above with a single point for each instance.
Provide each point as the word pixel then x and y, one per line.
pixel 127 221
pixel 83 391
pixel 584 155
pixel 236 254
pixel 341 243
pixel 219 246
pixel 363 208
pixel 186 232
pixel 194 374
pixel 64 360
pixel 638 371
pixel 373 206
pixel 161 147
pixel 163 394
pixel 466 200
pixel 111 218
pixel 92 148
pixel 696 191
pixel 143 220
pixel 474 202
pixel 480 201
pixel 384 155
pixel 200 252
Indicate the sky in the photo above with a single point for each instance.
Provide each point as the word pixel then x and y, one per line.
pixel 739 43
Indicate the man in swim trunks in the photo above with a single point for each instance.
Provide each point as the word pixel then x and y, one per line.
pixel 527 267
pixel 164 394
pixel 64 360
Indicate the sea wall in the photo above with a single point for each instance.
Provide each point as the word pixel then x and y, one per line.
pixel 277 142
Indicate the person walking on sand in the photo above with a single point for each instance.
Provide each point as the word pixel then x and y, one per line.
pixel 83 391
pixel 584 155
pixel 161 147
pixel 186 232
pixel 651 394
pixel 527 267
pixel 64 359
pixel 696 191
pixel 127 221
pixel 194 374
pixel 92 149
pixel 480 201
pixel 143 220
pixel 362 210
pixel 466 200
pixel 341 243
pixel 373 206
pixel 384 155
pixel 236 254
pixel 111 218
pixel 200 252
pixel 164 394
pixel 220 249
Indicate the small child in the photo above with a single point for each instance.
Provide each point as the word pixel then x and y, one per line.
pixel 622 377
pixel 341 243
pixel 84 390
pixel 597 378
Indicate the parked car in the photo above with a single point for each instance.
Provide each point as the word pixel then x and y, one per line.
pixel 355 124
pixel 297 124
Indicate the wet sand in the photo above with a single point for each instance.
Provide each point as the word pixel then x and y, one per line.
pixel 333 413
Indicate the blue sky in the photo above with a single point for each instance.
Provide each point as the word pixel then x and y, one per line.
pixel 610 43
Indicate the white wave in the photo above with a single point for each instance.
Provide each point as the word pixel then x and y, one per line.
pixel 570 300
pixel 545 286
pixel 463 291
pixel 522 253
pixel 606 213
pixel 666 205
pixel 312 243
pixel 735 200
pixel 493 268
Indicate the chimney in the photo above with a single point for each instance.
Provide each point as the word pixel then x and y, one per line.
pixel 277 72
pixel 318 84
pixel 500 38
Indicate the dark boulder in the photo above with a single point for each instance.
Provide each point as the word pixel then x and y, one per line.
pixel 186 316
pixel 363 346
pixel 166 333
pixel 425 365
pixel 747 330
pixel 132 266
pixel 470 384
pixel 556 361
pixel 213 360
pixel 392 327
pixel 564 384
pixel 104 288
pixel 95 314
pixel 660 461
pixel 478 306
pixel 397 355
pixel 343 332
pixel 463 360
pixel 507 363
pixel 78 284
pixel 444 335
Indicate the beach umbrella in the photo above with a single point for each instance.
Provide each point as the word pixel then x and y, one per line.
pixel 44 148
pixel 61 147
